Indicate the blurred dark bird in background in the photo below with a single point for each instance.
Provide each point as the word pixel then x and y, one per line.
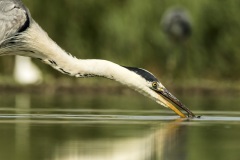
pixel 176 23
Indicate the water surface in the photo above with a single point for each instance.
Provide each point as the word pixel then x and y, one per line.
pixel 116 127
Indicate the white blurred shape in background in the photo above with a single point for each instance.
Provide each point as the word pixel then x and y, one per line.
pixel 26 72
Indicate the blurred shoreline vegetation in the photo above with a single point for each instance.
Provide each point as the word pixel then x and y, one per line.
pixel 128 32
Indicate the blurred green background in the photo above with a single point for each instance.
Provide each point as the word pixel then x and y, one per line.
pixel 128 32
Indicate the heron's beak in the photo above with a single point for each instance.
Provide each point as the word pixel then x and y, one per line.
pixel 172 102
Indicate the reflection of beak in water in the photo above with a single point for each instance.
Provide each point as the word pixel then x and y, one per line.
pixel 151 144
pixel 169 140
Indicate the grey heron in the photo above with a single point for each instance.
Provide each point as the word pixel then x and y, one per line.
pixel 21 35
pixel 176 23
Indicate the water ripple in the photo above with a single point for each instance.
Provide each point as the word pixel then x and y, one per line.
pixel 140 117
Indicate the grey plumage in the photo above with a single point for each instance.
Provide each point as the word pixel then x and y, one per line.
pixel 13 18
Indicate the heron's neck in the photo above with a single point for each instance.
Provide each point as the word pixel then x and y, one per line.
pixel 48 51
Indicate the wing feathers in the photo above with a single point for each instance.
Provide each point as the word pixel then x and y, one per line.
pixel 12 18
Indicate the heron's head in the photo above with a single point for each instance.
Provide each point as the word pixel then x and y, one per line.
pixel 155 90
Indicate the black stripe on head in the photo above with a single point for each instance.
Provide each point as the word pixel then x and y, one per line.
pixel 143 73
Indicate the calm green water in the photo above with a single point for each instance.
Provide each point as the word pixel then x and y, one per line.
pixel 116 127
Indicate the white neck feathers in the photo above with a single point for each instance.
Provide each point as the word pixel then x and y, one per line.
pixel 47 50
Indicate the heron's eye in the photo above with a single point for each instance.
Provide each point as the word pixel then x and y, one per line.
pixel 155 85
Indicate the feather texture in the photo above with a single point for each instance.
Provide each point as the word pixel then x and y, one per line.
pixel 12 18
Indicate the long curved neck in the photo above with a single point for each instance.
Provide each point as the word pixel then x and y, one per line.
pixel 47 50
